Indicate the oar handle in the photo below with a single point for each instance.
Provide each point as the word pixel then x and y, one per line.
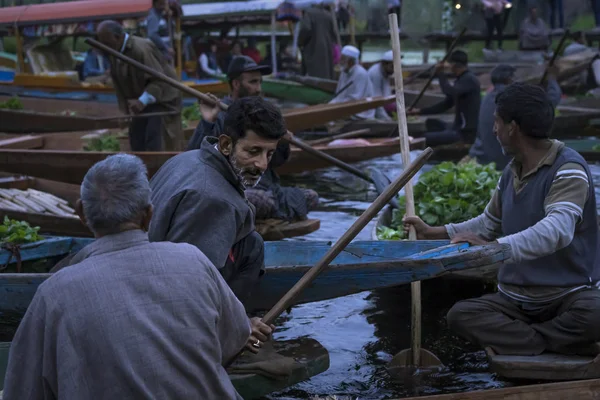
pixel 554 56
pixel 207 99
pixel 346 135
pixel 450 49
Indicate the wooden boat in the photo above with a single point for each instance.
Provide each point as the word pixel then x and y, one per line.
pixel 72 226
pixel 71 166
pixel 486 273
pixel 544 367
pixel 580 390
pixel 361 266
pixel 588 148
pixel 288 90
pixel 311 359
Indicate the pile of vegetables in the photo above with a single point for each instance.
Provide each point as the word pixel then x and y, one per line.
pixel 18 232
pixel 13 103
pixel 448 193
pixel 103 143
pixel 190 113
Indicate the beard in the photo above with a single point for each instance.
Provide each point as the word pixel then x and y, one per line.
pixel 248 176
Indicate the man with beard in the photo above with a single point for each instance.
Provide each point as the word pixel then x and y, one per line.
pixel 360 85
pixel 380 75
pixel 269 198
pixel 199 195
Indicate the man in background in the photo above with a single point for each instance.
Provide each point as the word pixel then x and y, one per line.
pixel 317 38
pixel 159 32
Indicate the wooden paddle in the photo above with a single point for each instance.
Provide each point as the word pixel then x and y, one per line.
pixel 450 50
pixel 203 97
pixel 358 225
pixel 346 135
pixel 415 356
pixel 554 56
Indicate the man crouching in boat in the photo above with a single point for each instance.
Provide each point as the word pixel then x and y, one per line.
pixel 138 93
pixel 545 208
pixel 199 195
pixel 270 199
pixel 134 319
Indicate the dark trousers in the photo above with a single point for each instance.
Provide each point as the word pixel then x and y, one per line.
pixel 596 10
pixel 439 133
pixel 506 14
pixel 569 325
pixel 244 267
pixel 556 7
pixel 496 23
pixel 145 134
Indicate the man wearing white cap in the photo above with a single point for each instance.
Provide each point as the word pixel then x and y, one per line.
pixel 354 80
pixel 380 75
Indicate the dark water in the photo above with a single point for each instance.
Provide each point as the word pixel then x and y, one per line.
pixel 362 332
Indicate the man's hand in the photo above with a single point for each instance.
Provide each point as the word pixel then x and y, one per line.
pixel 470 238
pixel 135 106
pixel 210 112
pixel 413 111
pixel 261 333
pixel 288 136
pixel 422 229
pixel 440 67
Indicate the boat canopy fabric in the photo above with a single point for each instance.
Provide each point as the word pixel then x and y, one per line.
pixel 245 12
pixel 72 18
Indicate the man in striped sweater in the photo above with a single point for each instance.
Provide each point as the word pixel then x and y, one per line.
pixel 545 208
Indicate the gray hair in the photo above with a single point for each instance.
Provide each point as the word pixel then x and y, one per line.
pixel 112 26
pixel 115 191
pixel 502 73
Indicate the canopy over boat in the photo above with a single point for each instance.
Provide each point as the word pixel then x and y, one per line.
pixel 72 18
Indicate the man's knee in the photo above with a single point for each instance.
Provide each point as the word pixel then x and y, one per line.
pixel 461 313
pixel 586 310
pixel 312 199
pixel 263 201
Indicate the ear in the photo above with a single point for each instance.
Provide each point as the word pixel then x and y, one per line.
pixel 79 212
pixel 225 145
pixel 235 84
pixel 147 218
pixel 513 128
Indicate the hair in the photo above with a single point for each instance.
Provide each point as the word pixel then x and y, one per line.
pixel 236 42
pixel 459 57
pixel 527 105
pixel 113 27
pixel 502 74
pixel 256 114
pixel 115 191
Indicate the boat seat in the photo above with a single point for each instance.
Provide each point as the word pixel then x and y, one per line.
pixel 546 366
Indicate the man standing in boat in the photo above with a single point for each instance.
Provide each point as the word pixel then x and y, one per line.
pixel 137 93
pixel 545 208
pixel 464 95
pixel 199 195
pixel 486 148
pixel 270 199
pixel 159 31
pixel 354 83
pixel 317 38
pixel 129 311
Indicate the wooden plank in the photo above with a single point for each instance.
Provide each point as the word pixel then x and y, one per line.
pixel 578 390
pixel 22 142
pixel 46 248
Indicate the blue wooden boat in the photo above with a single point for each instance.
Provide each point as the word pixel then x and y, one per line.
pixel 362 266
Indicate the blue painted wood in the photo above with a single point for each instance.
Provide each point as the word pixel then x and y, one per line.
pixel 365 265
pixel 50 247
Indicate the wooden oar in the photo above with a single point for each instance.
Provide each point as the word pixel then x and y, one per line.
pixel 358 225
pixel 554 56
pixel 450 50
pixel 340 136
pixel 346 86
pixel 415 356
pixel 203 97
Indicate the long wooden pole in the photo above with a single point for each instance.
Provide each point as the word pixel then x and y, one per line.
pixel 201 96
pixel 415 287
pixel 178 46
pixel 20 51
pixel 452 46
pixel 554 56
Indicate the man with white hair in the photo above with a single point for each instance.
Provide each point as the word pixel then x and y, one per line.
pixel 380 75
pixel 354 82
pixel 134 319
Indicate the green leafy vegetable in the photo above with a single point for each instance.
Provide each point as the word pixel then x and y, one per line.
pixel 18 232
pixel 191 113
pixel 13 103
pixel 596 147
pixel 448 193
pixel 103 143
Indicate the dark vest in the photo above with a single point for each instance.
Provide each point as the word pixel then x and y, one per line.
pixel 212 64
pixel 576 264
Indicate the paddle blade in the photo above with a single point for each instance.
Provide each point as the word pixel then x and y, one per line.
pixel 381 182
pixel 404 360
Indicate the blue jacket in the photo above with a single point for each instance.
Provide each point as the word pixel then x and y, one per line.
pixel 92 67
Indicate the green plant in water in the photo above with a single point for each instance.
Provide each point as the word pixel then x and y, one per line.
pixel 103 143
pixel 14 103
pixel 18 232
pixel 596 147
pixel 448 193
